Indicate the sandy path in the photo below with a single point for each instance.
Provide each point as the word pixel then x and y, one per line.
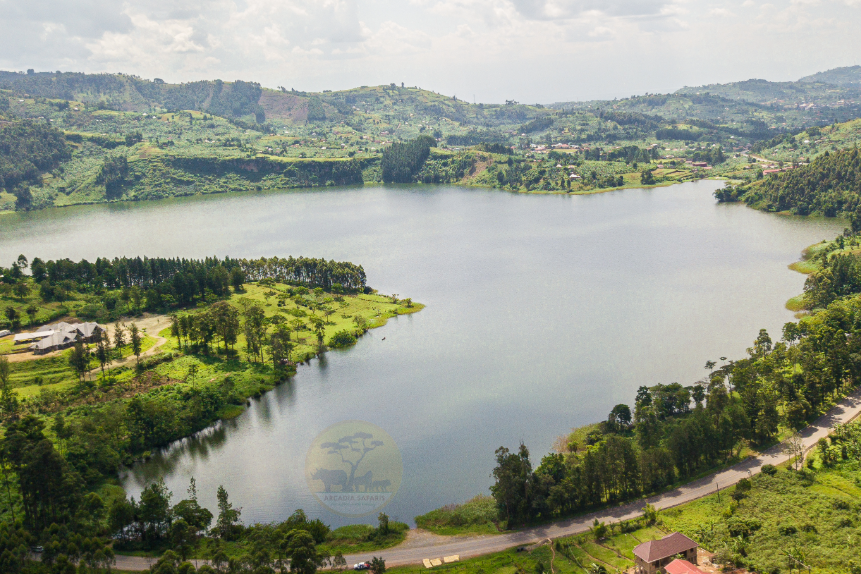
pixel 148 325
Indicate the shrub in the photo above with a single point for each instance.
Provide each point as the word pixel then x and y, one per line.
pixel 743 526
pixel 769 469
pixel 342 339
pixel 787 529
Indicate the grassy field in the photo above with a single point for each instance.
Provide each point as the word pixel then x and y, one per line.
pixel 475 516
pixel 814 512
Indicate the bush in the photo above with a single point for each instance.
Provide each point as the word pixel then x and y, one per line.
pixel 769 469
pixel 477 511
pixel 342 339
pixel 743 526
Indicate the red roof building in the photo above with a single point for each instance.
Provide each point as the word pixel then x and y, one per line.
pixel 653 556
pixel 682 567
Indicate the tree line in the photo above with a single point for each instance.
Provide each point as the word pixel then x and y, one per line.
pixel 166 282
pixel 675 431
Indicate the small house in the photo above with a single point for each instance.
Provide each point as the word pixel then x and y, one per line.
pixel 5 333
pixel 654 556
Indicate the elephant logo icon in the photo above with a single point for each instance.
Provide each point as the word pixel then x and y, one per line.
pixel 353 468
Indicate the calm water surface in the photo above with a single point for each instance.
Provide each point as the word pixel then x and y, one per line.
pixel 542 313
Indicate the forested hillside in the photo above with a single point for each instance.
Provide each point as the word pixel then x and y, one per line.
pixel 830 185
pixel 26 150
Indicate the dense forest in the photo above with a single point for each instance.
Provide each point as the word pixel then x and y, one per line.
pixel 830 185
pixel 674 431
pixel 27 149
pixel 402 161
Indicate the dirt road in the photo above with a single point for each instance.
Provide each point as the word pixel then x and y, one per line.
pixel 425 545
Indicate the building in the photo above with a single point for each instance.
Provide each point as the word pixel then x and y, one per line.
pixel 654 556
pixel 5 333
pixel 60 336
pixel 682 567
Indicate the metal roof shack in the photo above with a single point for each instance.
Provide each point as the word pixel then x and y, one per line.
pixel 655 555
pixel 682 567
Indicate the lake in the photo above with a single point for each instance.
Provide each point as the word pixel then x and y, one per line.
pixel 543 312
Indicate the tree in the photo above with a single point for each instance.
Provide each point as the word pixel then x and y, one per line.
pixel 338 561
pixel 136 341
pixel 228 517
pixel 794 449
pixel 32 311
pixel 226 319
pixel 280 345
pixel 119 336
pixel 22 289
pixel 650 514
pixel 154 510
pixel 50 491
pixel 182 537
pixel 103 352
pixel 513 487
pixel 299 548
pixel 383 527
pixel 378 565
pixel 319 330
pixel 620 416
pixel 255 330
pixel 237 280
pixel 8 397
pixel 14 317
pixel 79 359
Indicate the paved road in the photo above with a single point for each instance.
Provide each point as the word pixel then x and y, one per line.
pixel 843 412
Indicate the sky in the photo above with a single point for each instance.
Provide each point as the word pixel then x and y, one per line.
pixel 532 51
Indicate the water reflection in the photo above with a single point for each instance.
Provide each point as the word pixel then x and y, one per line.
pixel 542 313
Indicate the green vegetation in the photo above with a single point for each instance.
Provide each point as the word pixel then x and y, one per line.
pixel 477 515
pixel 808 513
pixel 237 329
pixel 828 185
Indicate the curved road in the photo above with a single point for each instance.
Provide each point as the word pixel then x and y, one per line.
pixel 438 547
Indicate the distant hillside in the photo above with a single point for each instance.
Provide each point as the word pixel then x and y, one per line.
pixel 130 93
pixel 765 92
pixel 250 102
pixel 846 76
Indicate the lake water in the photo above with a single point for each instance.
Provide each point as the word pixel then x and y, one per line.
pixel 543 312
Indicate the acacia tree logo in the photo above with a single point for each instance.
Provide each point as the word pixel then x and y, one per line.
pixel 353 468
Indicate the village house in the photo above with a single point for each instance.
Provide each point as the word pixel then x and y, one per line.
pixel 654 556
pixel 59 336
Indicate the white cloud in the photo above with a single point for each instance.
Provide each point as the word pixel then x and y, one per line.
pixel 496 49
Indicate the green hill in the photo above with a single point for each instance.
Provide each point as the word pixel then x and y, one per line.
pixel 829 185
pixel 846 76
